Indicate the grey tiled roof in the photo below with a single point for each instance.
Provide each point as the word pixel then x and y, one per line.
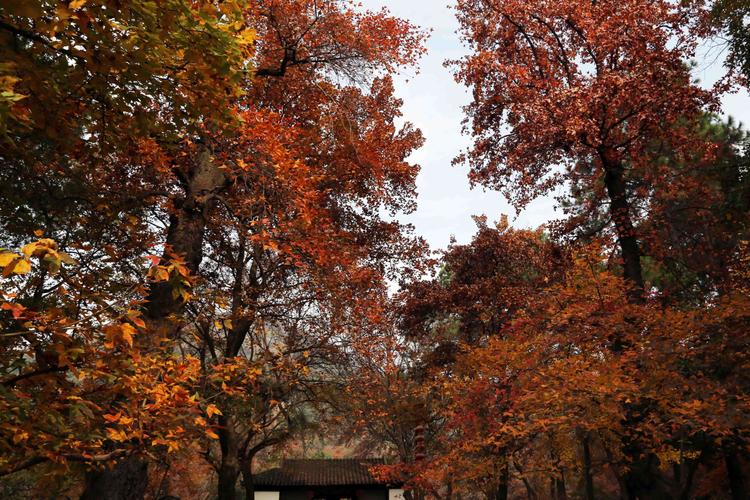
pixel 321 472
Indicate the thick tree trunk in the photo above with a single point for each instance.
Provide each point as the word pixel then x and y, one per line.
pixel 643 480
pixel 737 481
pixel 187 227
pixel 229 470
pixel 129 478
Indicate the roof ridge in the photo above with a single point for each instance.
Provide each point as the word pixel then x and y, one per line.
pixel 322 472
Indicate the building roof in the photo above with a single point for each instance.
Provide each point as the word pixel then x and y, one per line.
pixel 321 472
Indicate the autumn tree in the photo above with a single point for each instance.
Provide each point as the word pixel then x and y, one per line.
pixel 550 395
pixel 587 94
pixel 90 87
pixel 478 289
pixel 231 114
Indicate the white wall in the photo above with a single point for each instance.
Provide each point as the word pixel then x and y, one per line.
pixel 267 495
pixel 395 494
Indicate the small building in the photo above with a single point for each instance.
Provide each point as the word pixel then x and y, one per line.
pixel 324 479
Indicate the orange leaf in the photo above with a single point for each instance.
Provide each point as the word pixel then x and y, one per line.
pixel 212 410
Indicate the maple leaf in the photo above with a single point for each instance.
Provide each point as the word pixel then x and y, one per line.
pixel 112 418
pixel 127 332
pixel 212 410
pixel 116 434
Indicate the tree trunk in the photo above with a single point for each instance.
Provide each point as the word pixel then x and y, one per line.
pixel 501 492
pixel 588 479
pixel 560 490
pixel 686 483
pixel 187 227
pixel 530 493
pixel 642 478
pixel 229 470
pixel 737 482
pixel 247 479
pixel 621 213
pixel 128 479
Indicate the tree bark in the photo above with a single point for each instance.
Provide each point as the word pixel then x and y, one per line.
pixel 642 478
pixel 588 479
pixel 229 470
pixel 737 481
pixel 127 480
pixel 560 490
pixel 187 227
pixel 247 479
pixel 621 213
pixel 501 491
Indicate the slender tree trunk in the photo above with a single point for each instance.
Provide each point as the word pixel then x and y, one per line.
pixel 687 477
pixel 613 467
pixel 588 479
pixel 561 492
pixel 621 213
pixel 642 478
pixel 247 479
pixel 530 493
pixel 128 479
pixel 737 481
pixel 501 491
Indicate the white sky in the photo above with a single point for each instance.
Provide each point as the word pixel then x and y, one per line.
pixel 433 101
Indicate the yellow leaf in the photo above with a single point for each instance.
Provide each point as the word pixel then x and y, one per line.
pixel 38 233
pixel 116 434
pixel 247 37
pixel 211 434
pixel 28 250
pixel 22 266
pixel 7 257
pixel 20 436
pixel 212 410
pixel 76 4
pixel 67 259
pixel 127 333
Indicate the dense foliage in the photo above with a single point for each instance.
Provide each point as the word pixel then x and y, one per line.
pixel 197 243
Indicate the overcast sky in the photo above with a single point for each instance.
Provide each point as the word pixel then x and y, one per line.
pixel 433 101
